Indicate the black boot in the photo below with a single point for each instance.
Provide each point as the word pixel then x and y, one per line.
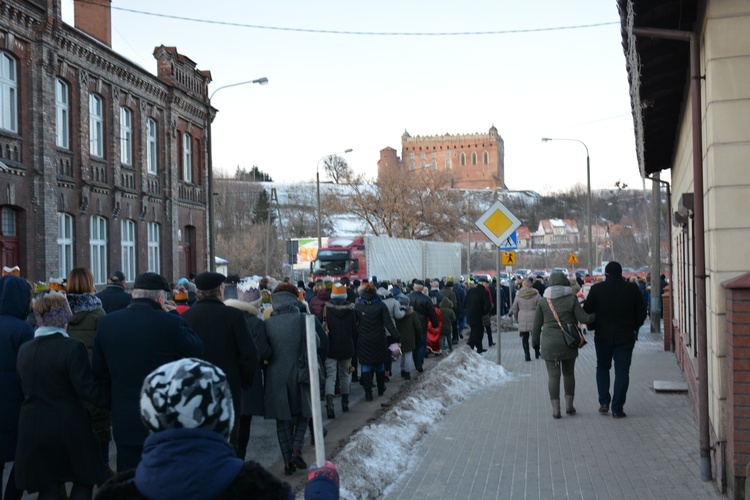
pixel 525 343
pixel 380 376
pixel 345 403
pixel 329 406
pixel 366 380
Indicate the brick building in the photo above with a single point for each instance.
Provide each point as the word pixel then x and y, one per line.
pixel 102 164
pixel 475 161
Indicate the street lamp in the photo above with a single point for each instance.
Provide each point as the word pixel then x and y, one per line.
pixel 588 195
pixel 211 235
pixel 317 184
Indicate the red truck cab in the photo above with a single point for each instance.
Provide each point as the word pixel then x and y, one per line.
pixel 340 257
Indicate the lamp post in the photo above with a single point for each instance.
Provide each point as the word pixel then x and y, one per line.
pixel 588 196
pixel 211 234
pixel 317 184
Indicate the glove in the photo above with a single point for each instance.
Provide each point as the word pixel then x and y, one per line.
pixel 322 482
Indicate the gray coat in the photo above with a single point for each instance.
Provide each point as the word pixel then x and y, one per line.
pixel 524 308
pixel 284 396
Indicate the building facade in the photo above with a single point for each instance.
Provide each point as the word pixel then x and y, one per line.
pixel 102 164
pixel 688 64
pixel 474 161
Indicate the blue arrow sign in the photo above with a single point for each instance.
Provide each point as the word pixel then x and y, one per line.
pixel 511 242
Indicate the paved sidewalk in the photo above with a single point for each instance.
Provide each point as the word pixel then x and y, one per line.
pixel 503 442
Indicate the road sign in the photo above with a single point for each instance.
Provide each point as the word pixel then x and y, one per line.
pixel 508 257
pixel 498 223
pixel 511 242
pixel 572 259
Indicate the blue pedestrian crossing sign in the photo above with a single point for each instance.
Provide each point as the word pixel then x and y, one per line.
pixel 511 242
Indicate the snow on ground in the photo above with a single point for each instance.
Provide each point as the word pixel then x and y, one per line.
pixel 378 454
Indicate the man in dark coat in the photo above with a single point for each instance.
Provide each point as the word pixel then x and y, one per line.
pixel 477 306
pixel 114 297
pixel 226 337
pixel 620 312
pixel 422 305
pixel 15 296
pixel 128 345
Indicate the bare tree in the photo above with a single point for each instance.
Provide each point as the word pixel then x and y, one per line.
pixel 337 169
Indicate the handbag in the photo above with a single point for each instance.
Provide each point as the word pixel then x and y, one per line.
pixel 572 334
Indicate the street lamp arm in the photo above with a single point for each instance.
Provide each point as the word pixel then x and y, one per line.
pixel 259 81
pixel 547 139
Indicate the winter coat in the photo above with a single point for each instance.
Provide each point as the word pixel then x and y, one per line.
pixel 193 463
pixel 252 397
pixel 342 327
pixel 620 311
pixel 55 439
pixel 395 310
pixel 423 307
pixel 227 343
pixel 373 320
pixel 524 308
pixel 449 317
pixel 87 310
pixel 114 298
pixel 317 302
pixel 450 294
pixel 545 331
pixel 284 396
pixel 477 305
pixel 14 332
pixel 410 331
pixel 131 343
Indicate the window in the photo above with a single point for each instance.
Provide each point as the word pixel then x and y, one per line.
pixel 473 158
pixel 187 158
pixel 126 136
pixel 486 158
pixel 9 222
pixel 8 93
pixel 96 126
pixel 62 114
pixel 98 245
pixel 154 262
pixel 64 243
pixel 448 164
pixel 151 159
pixel 463 159
pixel 127 238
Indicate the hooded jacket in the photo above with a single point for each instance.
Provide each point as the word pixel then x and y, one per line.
pixel 524 308
pixel 342 327
pixel 87 310
pixel 546 332
pixel 15 295
pixel 373 320
pixel 449 316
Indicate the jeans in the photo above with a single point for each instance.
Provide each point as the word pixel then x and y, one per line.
pixel 340 366
pixel 421 350
pixel 622 355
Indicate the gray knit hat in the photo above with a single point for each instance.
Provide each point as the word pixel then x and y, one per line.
pixel 188 393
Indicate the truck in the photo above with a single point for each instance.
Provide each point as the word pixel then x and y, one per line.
pixel 386 258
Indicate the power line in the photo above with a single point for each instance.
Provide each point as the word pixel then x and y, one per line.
pixel 363 33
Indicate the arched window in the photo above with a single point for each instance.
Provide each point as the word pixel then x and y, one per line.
pixel 96 126
pixel 8 93
pixel 154 249
pixel 448 164
pixel 64 243
pixel 98 246
pixel 152 162
pixel 127 242
pixel 463 159
pixel 62 114
pixel 474 158
pixel 126 136
pixel 187 158
pixel 486 158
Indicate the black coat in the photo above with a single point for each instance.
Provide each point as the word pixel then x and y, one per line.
pixel 425 310
pixel 477 304
pixel 373 319
pixel 114 298
pixel 342 327
pixel 227 343
pixel 131 343
pixel 14 331
pixel 620 311
pixel 55 439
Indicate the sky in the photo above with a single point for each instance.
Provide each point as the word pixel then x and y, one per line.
pixel 329 92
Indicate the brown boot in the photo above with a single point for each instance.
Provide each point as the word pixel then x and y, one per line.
pixel 555 408
pixel 569 405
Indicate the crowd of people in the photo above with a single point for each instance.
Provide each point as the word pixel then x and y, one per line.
pixel 164 368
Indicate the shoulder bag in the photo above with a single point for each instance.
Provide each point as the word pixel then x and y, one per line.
pixel 572 334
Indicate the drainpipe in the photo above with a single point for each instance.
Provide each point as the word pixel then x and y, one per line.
pixel 699 237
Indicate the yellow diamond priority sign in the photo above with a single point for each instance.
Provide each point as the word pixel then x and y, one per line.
pixel 498 223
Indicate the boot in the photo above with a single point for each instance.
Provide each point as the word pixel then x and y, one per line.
pixel 525 343
pixel 555 408
pixel 569 405
pixel 329 406
pixel 366 380
pixel 490 343
pixel 380 376
pixel 345 403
